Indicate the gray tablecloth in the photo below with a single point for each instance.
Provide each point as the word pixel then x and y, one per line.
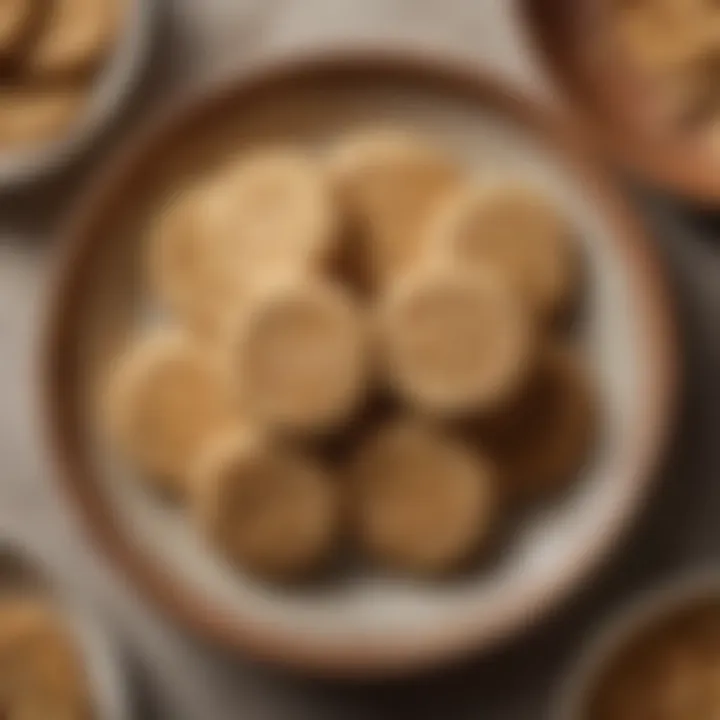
pixel 175 677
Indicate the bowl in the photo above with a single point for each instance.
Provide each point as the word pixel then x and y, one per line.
pixel 110 94
pixel 614 104
pixel 21 569
pixel 364 624
pixel 696 590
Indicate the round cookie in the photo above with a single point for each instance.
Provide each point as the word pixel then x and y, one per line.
pixel 272 213
pixel 299 355
pixel 75 37
pixel 267 507
pixel 388 182
pixel 663 35
pixel 41 674
pixel 31 116
pixel 163 401
pixel 424 501
pixel 185 265
pixel 516 230
pixel 455 340
pixel 16 18
pixel 542 440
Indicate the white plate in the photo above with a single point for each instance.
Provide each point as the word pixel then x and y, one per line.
pixel 363 621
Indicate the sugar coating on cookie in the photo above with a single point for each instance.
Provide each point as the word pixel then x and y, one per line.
pixel 163 401
pixel 425 502
pixel 186 268
pixel 42 673
pixel 542 440
pixel 299 355
pixel 268 508
pixel 272 214
pixel 76 35
pixel 518 231
pixel 15 18
pixel 36 115
pixel 387 182
pixel 455 340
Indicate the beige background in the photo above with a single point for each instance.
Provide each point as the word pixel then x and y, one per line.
pixel 183 681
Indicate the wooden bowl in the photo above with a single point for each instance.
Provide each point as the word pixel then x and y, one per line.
pixel 614 103
pixel 364 623
pixel 647 613
pixel 24 572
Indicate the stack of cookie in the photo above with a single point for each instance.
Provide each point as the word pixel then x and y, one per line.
pixel 677 44
pixel 365 343
pixel 50 53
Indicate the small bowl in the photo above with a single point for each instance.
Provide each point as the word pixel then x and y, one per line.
pixel 21 570
pixel 642 615
pixel 364 624
pixel 110 93
pixel 614 103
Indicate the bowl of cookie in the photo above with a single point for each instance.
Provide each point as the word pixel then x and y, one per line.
pixel 659 657
pixel 358 363
pixel 67 69
pixel 57 659
pixel 643 77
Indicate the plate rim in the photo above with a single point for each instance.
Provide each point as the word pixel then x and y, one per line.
pixel 190 608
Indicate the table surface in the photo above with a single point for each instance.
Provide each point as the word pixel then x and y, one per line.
pixel 179 679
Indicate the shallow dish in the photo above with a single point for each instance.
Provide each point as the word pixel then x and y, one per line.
pixel 21 570
pixel 645 613
pixel 613 102
pixel 363 624
pixel 110 93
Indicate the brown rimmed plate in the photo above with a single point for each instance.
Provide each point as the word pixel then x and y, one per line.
pixel 614 103
pixel 362 623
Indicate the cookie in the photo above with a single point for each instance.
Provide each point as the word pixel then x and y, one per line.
pixel 185 266
pixel 16 18
pixel 299 355
pixel 268 508
pixel 543 439
pixel 33 116
pixel 662 35
pixel 41 674
pixel 518 231
pixel 163 401
pixel 424 501
pixel 388 182
pixel 455 340
pixel 273 214
pixel 76 36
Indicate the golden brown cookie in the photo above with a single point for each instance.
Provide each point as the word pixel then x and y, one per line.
pixel 267 507
pixel 518 231
pixel 299 355
pixel 425 502
pixel 542 440
pixel 455 340
pixel 388 182
pixel 163 401
pixel 75 37
pixel 16 18
pixel 662 35
pixel 273 214
pixel 185 265
pixel 32 116
pixel 41 673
